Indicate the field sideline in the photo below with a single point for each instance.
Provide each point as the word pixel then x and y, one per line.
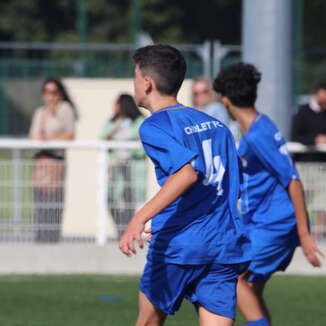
pixel 83 258
pixel 98 300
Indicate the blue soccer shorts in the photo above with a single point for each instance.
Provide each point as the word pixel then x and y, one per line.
pixel 212 286
pixel 267 259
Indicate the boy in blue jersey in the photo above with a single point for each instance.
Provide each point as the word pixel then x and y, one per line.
pixel 272 200
pixel 198 246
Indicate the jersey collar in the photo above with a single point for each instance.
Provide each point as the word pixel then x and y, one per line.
pixel 171 107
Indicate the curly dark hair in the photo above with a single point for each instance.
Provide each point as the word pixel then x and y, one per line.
pixel 238 82
pixel 165 64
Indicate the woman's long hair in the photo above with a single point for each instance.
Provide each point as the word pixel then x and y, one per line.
pixel 128 108
pixel 63 92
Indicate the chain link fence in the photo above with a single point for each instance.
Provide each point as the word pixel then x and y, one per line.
pixel 51 201
pixel 41 202
pixel 313 176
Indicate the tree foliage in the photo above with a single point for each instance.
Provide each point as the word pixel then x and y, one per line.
pixel 111 20
pixel 165 20
pixel 314 24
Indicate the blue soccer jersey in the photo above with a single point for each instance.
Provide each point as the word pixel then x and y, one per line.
pixel 268 169
pixel 202 225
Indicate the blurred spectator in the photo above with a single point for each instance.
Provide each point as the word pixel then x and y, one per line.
pixel 123 126
pixel 204 98
pixel 55 120
pixel 309 124
pixel 309 128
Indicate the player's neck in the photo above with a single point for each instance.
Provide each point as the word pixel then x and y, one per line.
pixel 245 118
pixel 158 102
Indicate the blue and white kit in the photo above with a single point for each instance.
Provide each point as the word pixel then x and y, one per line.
pixel 200 235
pixel 265 203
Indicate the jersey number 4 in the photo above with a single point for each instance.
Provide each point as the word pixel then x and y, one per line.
pixel 214 167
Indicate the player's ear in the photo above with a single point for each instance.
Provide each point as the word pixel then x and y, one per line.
pixel 149 84
pixel 225 101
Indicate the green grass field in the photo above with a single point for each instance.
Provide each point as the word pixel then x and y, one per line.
pixel 92 300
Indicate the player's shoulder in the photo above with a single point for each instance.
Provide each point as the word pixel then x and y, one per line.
pixel 163 119
pixel 152 125
pixel 145 126
pixel 272 130
pixel 264 132
pixel 152 121
pixel 263 126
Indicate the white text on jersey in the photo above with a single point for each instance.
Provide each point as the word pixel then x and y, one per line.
pixel 202 127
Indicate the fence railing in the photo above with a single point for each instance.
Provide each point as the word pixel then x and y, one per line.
pixel 209 54
pixel 33 191
pixel 92 193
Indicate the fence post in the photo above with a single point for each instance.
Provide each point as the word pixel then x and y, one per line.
pixel 102 197
pixel 204 51
pixel 219 52
pixel 16 161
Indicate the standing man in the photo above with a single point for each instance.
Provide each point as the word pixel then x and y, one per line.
pixel 204 99
pixel 309 128
pixel 309 124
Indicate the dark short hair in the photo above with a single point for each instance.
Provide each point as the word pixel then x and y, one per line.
pixel 165 64
pixel 128 107
pixel 238 82
pixel 321 84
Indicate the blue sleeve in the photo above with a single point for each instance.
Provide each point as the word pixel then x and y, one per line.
pixel 275 158
pixel 164 149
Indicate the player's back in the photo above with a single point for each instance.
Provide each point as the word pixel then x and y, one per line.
pixel 268 169
pixel 203 223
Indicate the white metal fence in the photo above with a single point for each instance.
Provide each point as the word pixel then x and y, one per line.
pixel 92 194
pixel 49 200
pixel 313 176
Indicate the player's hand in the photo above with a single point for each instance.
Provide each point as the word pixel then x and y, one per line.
pixel 311 251
pixel 132 233
pixel 148 235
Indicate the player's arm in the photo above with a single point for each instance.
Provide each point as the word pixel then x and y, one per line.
pixel 308 244
pixel 278 162
pixel 172 189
